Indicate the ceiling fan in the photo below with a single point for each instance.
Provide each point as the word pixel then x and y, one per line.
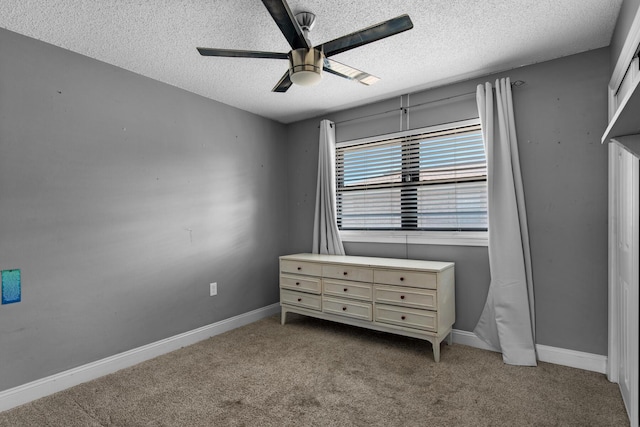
pixel 306 62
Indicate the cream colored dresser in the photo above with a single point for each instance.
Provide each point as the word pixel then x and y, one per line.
pixel 405 297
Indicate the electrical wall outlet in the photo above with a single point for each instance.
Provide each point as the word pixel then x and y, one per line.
pixel 213 289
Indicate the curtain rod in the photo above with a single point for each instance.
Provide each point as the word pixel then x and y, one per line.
pixel 516 84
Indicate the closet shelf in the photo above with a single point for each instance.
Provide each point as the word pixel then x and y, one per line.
pixel 626 121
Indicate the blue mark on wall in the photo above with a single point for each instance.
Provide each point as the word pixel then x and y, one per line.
pixel 10 286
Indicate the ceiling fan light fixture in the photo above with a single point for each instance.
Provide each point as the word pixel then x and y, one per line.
pixel 306 78
pixel 305 66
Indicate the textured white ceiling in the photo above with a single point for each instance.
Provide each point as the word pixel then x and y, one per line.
pixel 451 40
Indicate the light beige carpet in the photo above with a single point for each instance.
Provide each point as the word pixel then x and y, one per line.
pixel 317 373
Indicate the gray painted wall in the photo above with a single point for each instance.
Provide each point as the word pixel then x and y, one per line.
pixel 560 114
pixel 623 25
pixel 121 198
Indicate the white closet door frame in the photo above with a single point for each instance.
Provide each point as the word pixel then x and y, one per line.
pixel 623 332
pixel 614 312
pixel 624 250
pixel 616 92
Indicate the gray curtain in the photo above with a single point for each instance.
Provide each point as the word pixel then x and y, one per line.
pixel 326 238
pixel 507 322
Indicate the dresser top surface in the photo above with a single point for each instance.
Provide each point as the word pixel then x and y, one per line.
pixel 363 261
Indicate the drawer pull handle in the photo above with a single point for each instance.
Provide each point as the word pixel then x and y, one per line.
pixel 345 273
pixel 401 296
pixel 299 268
pixel 345 289
pixel 297 283
pixel 344 308
pixel 299 299
pixel 402 279
pixel 403 317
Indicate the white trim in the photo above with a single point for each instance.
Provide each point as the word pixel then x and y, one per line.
pixel 626 54
pixel 574 359
pixel 611 104
pixel 613 363
pixel 618 100
pixel 45 386
pixel 555 355
pixel 453 238
pixel 470 339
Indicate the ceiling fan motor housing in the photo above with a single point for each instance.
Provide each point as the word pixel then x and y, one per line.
pixel 305 66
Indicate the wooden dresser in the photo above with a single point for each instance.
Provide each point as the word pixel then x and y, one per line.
pixel 400 296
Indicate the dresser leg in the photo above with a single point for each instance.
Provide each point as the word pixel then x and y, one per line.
pixel 436 350
pixel 283 316
pixel 450 338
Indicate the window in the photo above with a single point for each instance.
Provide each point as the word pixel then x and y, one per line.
pixel 429 179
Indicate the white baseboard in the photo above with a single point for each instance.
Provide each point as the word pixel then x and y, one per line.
pixel 572 358
pixel 555 355
pixel 470 339
pixel 43 387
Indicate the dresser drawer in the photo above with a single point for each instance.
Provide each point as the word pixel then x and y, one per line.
pixel 408 317
pixel 346 272
pixel 407 297
pixel 417 279
pixel 300 299
pixel 343 307
pixel 301 283
pixel 343 288
pixel 300 267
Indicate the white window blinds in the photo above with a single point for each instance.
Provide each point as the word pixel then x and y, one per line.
pixel 425 179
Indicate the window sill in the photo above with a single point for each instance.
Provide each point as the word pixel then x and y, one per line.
pixel 453 238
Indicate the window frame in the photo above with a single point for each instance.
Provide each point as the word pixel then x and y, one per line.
pixel 421 237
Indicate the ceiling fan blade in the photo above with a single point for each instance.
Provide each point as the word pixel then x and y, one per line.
pixel 280 12
pixel 367 35
pixel 233 53
pixel 342 70
pixel 284 83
